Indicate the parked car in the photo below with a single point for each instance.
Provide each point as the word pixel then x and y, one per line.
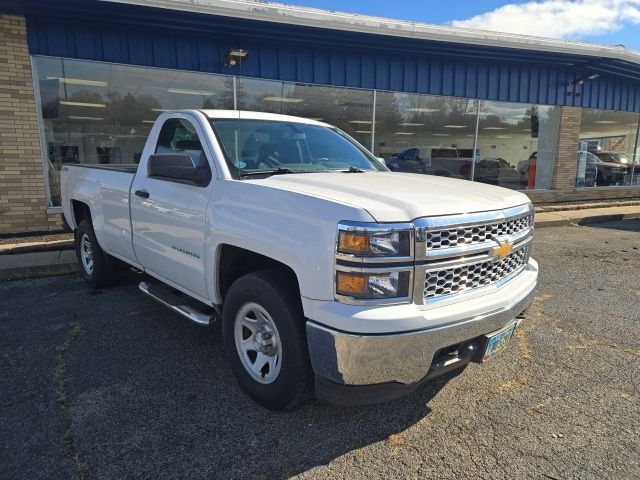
pixel 325 269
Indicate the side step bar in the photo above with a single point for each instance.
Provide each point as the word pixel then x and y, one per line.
pixel 175 303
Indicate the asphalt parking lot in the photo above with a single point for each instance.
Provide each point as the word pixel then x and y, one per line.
pixel 108 384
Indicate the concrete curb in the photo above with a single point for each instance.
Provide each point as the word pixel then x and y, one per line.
pixel 585 206
pixel 37 264
pixel 584 217
pixel 30 247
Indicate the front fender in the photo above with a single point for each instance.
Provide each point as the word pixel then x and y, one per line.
pixel 296 229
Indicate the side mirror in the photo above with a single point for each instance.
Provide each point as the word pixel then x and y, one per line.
pixel 178 167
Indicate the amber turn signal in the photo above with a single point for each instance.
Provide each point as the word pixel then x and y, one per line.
pixel 353 242
pixel 352 284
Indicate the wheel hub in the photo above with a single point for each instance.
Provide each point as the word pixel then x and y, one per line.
pixel 86 254
pixel 258 342
pixel 264 340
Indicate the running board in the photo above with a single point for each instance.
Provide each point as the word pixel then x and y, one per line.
pixel 175 303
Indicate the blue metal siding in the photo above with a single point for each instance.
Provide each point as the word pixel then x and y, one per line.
pixel 360 61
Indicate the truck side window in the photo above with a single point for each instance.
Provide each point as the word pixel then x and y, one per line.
pixel 179 136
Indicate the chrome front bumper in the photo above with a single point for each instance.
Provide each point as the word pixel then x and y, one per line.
pixel 404 358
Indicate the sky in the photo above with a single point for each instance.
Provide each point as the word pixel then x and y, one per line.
pixel 609 22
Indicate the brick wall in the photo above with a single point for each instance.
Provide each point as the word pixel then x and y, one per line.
pixel 566 163
pixel 23 204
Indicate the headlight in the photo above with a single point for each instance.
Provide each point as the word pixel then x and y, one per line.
pixel 376 242
pixel 362 251
pixel 373 285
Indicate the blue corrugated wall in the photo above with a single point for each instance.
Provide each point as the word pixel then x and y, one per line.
pixel 326 57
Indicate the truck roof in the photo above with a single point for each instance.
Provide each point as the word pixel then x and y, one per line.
pixel 249 115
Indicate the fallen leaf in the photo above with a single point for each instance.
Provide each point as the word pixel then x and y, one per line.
pixel 395 440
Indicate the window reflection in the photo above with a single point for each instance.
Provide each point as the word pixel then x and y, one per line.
pixel 349 109
pixel 516 144
pixel 425 134
pixel 102 113
pixel 608 149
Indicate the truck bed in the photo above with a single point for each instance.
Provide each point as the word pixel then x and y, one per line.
pixel 106 189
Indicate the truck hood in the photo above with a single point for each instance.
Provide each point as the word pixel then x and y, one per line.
pixel 399 197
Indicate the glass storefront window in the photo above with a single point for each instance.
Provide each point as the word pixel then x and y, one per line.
pixel 608 149
pixel 516 144
pixel 426 134
pixel 349 109
pixel 102 113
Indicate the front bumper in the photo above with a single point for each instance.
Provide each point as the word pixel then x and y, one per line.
pixel 394 364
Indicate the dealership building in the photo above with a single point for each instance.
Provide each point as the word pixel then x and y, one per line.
pixel 81 81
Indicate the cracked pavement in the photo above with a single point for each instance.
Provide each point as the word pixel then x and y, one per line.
pixel 109 384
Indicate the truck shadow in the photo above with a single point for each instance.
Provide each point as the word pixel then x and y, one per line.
pixel 318 433
pixel 155 397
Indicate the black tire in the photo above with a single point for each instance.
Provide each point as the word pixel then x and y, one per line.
pixel 100 274
pixel 277 293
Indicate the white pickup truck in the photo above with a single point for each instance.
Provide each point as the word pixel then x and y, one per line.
pixel 324 268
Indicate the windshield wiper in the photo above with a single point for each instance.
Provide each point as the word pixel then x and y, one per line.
pixel 276 171
pixel 353 169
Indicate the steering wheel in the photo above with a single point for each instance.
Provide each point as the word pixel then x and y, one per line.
pixel 272 161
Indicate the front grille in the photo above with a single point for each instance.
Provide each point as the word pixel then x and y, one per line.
pixel 475 234
pixel 454 280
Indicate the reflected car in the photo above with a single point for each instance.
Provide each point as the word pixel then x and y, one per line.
pixel 614 157
pixel 497 171
pixel 612 168
pixel 590 170
pixel 442 172
pixel 441 161
pixel 408 161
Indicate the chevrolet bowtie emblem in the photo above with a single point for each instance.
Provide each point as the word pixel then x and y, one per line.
pixel 502 250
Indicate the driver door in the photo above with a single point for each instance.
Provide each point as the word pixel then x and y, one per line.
pixel 169 215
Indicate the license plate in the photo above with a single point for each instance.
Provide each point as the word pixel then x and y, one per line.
pixel 497 341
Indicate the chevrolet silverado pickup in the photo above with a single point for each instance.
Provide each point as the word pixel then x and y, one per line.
pixel 326 271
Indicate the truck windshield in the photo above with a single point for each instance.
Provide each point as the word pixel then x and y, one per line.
pixel 252 147
pixel 613 157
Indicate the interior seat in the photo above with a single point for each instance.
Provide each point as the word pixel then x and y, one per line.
pixel 191 147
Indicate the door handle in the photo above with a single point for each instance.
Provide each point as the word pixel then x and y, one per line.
pixel 142 193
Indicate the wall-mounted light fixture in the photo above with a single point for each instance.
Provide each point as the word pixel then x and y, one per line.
pixel 235 56
pixel 579 81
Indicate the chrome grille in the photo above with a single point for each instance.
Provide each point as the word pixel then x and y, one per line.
pixel 475 234
pixel 458 279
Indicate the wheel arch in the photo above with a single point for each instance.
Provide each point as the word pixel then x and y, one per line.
pixel 80 211
pixel 234 262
